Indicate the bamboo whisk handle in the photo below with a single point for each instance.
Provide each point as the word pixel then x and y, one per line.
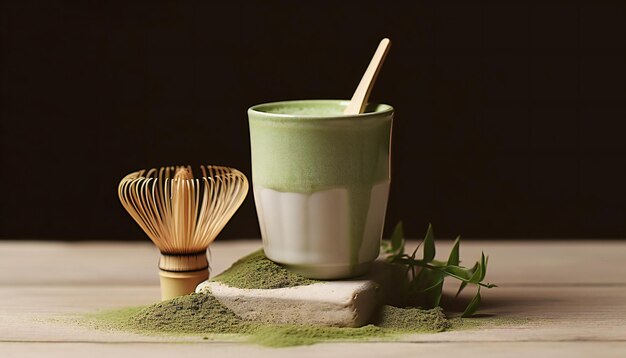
pixel 181 273
pixel 183 262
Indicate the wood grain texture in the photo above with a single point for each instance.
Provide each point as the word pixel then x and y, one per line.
pixel 564 299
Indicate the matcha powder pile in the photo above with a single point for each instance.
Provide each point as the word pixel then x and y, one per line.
pixel 195 313
pixel 257 271
pixel 203 314
pixel 413 319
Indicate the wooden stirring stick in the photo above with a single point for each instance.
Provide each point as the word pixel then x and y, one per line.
pixel 361 95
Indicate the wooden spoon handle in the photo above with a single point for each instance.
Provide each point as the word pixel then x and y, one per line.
pixel 361 95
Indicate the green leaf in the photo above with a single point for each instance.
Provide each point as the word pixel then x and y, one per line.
pixel 429 245
pixel 406 260
pixel 385 246
pixel 453 259
pixel 439 263
pixel 483 264
pixel 473 305
pixel 463 285
pixel 474 268
pixel 425 288
pixel 461 272
pixel 432 294
pixel 419 281
pixel 394 248
pixel 476 276
pixel 429 284
pixel 397 239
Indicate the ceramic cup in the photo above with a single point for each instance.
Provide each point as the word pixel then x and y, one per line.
pixel 321 183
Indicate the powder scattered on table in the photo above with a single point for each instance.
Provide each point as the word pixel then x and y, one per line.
pixel 413 319
pixel 202 313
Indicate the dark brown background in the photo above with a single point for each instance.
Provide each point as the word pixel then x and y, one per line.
pixel 510 116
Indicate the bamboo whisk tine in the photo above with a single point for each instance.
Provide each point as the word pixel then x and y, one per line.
pixel 182 215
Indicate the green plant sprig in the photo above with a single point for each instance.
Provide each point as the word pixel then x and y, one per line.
pixel 426 285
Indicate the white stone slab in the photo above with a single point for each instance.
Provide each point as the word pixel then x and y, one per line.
pixel 347 303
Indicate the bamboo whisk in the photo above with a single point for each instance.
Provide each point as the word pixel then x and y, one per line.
pixel 182 216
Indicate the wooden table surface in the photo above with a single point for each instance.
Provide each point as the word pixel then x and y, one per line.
pixel 572 294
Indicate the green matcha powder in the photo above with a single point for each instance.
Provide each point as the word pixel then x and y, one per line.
pixel 257 271
pixel 203 314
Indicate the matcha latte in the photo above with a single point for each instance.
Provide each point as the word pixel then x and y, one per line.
pixel 321 183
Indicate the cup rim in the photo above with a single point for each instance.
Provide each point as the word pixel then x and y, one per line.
pixel 256 109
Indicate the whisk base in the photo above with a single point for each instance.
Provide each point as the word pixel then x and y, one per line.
pixel 175 284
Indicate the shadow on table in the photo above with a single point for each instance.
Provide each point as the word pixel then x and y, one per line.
pixel 494 303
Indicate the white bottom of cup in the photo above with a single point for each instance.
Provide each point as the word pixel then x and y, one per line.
pixel 330 272
pixel 310 233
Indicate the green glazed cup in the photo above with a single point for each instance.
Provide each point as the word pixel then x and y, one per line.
pixel 321 183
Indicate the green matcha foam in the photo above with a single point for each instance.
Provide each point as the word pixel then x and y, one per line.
pixel 305 146
pixel 315 108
